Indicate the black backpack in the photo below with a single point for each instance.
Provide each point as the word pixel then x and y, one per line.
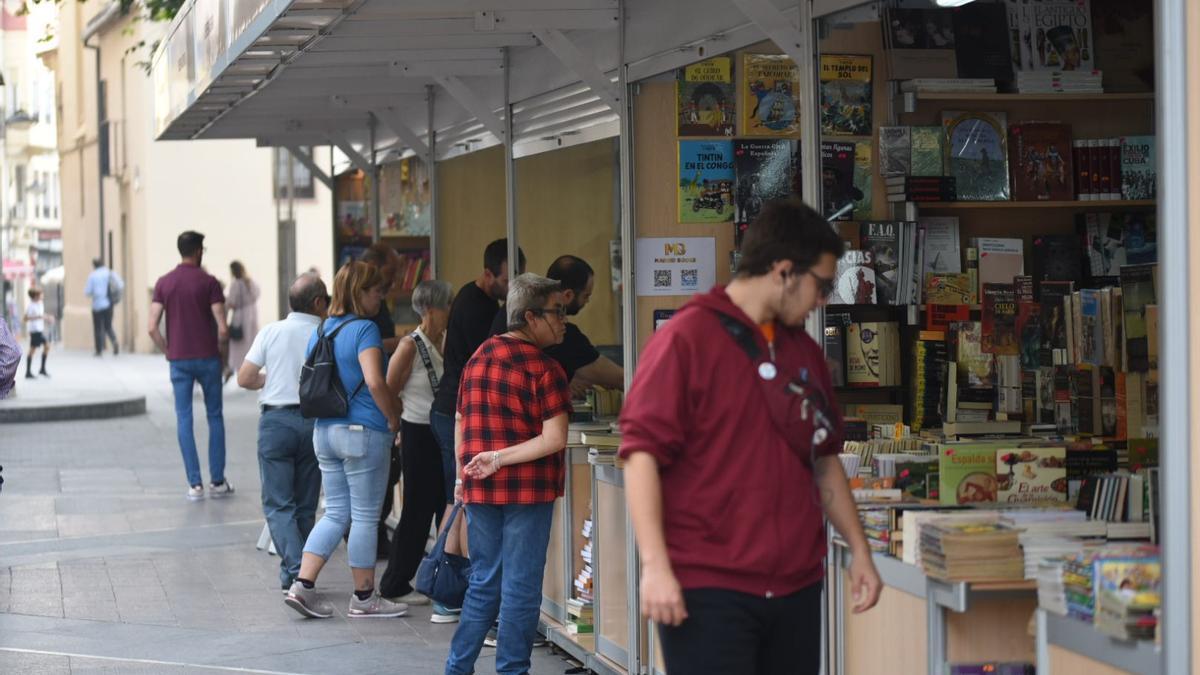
pixel 322 394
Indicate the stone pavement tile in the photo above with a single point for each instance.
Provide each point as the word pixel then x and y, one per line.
pixel 94 606
pixel 88 505
pixel 34 664
pixel 84 576
pixel 132 572
pixel 24 480
pixel 88 525
pixel 35 589
pixel 98 480
pixel 5 586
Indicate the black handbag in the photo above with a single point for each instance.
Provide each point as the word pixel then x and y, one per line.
pixel 236 332
pixel 442 576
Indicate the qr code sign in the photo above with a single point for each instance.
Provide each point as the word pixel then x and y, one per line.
pixel 689 278
pixel 662 278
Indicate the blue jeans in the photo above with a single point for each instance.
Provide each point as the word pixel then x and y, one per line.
pixel 443 432
pixel 508 559
pixel 354 472
pixel 184 374
pixel 291 484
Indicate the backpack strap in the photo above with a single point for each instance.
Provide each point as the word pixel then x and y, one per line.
pixel 332 336
pixel 740 333
pixel 424 352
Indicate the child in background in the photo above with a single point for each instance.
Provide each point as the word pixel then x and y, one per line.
pixel 35 325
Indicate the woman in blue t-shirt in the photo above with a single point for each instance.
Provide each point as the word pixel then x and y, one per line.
pixel 353 451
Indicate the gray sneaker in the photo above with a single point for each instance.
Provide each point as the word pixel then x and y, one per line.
pixel 375 607
pixel 307 602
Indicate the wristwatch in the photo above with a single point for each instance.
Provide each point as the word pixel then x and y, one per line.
pixel 457 482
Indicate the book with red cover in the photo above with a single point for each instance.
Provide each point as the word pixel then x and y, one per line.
pixel 939 317
pixel 1000 320
pixel 1083 170
pixel 1041 162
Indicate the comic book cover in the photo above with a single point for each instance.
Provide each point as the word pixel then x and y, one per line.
pixel 1061 34
pixel 705 98
pixel 765 169
pixel 771 91
pixel 845 95
pixel 705 181
pixel 864 174
pixel 837 178
pixel 882 240
pixel 1041 162
pixel 977 154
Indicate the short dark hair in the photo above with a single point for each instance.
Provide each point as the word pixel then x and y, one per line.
pixel 189 243
pixel 571 271
pixel 787 229
pixel 304 292
pixel 377 254
pixel 237 269
pixel 97 262
pixel 496 254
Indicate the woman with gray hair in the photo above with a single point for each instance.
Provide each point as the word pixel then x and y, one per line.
pixel 413 375
pixel 510 431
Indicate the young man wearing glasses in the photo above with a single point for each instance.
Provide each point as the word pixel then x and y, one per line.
pixel 730 437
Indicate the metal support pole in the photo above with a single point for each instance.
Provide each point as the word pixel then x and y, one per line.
pixel 810 145
pixel 376 208
pixel 431 171
pixel 287 236
pixel 510 179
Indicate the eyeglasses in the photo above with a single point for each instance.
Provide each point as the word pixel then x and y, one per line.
pixel 825 285
pixel 560 312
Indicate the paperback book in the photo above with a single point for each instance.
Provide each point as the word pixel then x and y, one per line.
pixel 765 169
pixel 846 95
pixel 977 150
pixel 837 179
pixel 895 151
pixel 882 241
pixel 927 155
pixel 1138 168
pixel 771 90
pixel 1041 161
pixel 855 279
pixel 920 43
pixel 705 99
pixel 1031 475
pixel 1000 320
pixel 706 174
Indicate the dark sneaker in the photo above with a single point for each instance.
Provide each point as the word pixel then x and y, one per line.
pixel 307 602
pixel 444 614
pixel 375 607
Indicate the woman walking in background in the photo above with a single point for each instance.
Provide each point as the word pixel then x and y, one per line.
pixel 353 451
pixel 413 374
pixel 242 300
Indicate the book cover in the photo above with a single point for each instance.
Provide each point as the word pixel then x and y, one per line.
pixel 967 474
pixel 1057 257
pixel 765 169
pixel 976 368
pixel 1062 35
pixel 705 181
pixel 835 350
pixel 771 90
pixel 864 172
pixel 920 43
pixel 1042 168
pixel 948 289
pixel 846 95
pixel 1000 259
pixel 1138 168
pixel 1143 453
pixel 977 154
pixel 863 355
pixel 882 241
pixel 940 317
pixel 1029 332
pixel 837 178
pixel 980 49
pixel 928 152
pixel 943 253
pixel 1124 29
pixel 1140 233
pixel 1023 288
pixel 855 279
pixel 1105 245
pixel 999 334
pixel 1029 475
pixel 895 151
pixel 705 99
pixel 1091 338
pixel 1138 290
pixel 1151 312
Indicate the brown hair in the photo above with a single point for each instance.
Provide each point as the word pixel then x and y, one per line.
pixel 787 229
pixel 354 279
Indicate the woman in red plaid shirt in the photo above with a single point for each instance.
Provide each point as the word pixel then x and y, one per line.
pixel 510 431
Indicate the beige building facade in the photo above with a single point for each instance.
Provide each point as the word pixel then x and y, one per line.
pixel 155 190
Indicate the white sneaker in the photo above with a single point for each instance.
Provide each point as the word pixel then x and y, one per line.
pixel 375 607
pixel 413 599
pixel 223 490
pixel 196 493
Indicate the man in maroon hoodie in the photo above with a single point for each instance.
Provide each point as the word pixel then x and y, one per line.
pixel 730 436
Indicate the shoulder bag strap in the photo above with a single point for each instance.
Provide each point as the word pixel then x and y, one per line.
pixel 424 352
pixel 333 335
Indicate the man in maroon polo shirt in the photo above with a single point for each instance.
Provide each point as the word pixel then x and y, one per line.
pixel 195 342
pixel 730 434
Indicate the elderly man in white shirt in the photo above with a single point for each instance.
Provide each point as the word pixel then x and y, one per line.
pixel 291 478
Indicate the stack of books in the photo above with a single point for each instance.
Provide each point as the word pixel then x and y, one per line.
pixel 921 188
pixel 1128 596
pixel 1060 82
pixel 946 85
pixel 576 431
pixel 602 448
pixel 580 623
pixel 1052 590
pixel 928 379
pixel 971 551
pixel 582 617
pixel 877 526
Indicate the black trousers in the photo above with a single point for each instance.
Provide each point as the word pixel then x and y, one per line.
pixel 731 632
pixel 101 326
pixel 424 502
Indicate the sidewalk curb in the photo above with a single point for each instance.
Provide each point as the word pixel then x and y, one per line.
pixel 17 411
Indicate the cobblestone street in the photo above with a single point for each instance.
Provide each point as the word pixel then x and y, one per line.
pixel 106 567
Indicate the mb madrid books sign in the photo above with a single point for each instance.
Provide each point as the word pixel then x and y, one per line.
pixel 675 265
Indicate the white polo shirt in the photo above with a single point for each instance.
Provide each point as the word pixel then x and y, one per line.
pixel 281 348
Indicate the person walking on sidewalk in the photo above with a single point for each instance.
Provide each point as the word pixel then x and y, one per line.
pixel 731 430
pixel 353 451
pixel 470 320
pixel 414 372
pixel 104 287
pixel 195 347
pixel 35 327
pixel 513 408
pixel 10 359
pixel 287 463
pixel 242 302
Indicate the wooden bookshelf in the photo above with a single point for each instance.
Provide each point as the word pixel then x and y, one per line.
pixel 1070 204
pixel 1031 98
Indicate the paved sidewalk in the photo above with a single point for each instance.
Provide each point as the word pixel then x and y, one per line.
pixel 106 567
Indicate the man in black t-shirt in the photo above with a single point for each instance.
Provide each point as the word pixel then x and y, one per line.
pixel 385 259
pixel 584 365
